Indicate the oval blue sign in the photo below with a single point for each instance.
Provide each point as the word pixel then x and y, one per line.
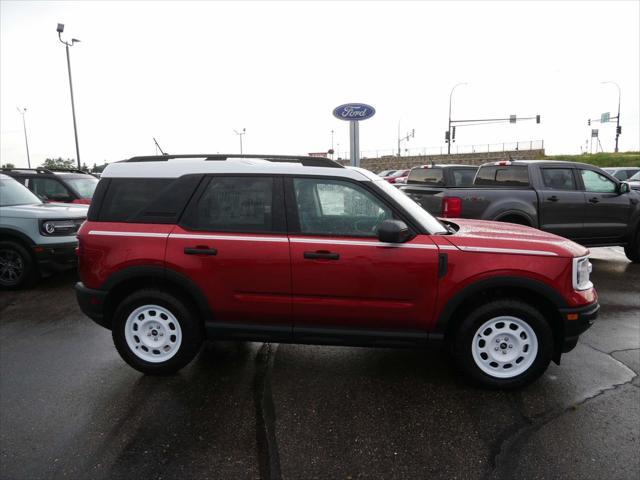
pixel 354 111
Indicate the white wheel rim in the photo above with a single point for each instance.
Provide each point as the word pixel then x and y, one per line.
pixel 153 333
pixel 504 347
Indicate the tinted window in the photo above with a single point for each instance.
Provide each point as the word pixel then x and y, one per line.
pixel 236 204
pixel 594 182
pixel 558 178
pixel 463 177
pixel 127 197
pixel 84 186
pixel 49 189
pixel 503 176
pixel 330 207
pixel 430 176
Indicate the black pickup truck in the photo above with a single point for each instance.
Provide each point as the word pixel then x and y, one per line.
pixel 574 200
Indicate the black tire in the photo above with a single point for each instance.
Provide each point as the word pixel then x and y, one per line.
pixel 632 251
pixel 17 266
pixel 192 332
pixel 465 335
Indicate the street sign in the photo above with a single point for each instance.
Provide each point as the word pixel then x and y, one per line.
pixel 594 133
pixel 604 118
pixel 354 111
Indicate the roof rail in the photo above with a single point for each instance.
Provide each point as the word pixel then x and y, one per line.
pixel 304 160
pixel 37 169
pixel 69 170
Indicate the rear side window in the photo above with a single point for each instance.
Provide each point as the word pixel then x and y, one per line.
pixel 503 176
pixel 463 177
pixel 50 189
pixel 143 200
pixel 238 204
pixel 429 176
pixel 558 178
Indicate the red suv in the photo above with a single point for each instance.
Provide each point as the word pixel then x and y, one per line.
pixel 180 248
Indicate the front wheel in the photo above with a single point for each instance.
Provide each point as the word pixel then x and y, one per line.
pixel 632 250
pixel 17 268
pixel 156 332
pixel 503 344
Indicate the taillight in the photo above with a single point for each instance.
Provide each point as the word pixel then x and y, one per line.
pixel 451 207
pixel 83 201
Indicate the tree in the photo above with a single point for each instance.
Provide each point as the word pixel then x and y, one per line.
pixel 57 163
pixel 8 165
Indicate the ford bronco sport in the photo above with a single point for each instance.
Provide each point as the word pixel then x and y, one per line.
pixel 180 248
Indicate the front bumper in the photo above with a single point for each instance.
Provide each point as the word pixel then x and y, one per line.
pixel 576 322
pixel 91 303
pixel 56 257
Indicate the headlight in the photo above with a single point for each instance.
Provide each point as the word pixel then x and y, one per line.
pixel 581 272
pixel 60 227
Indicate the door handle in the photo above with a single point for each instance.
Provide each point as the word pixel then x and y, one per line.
pixel 321 255
pixel 200 251
pixel 594 200
pixel 553 198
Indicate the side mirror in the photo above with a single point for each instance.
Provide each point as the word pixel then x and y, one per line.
pixel 623 187
pixel 393 231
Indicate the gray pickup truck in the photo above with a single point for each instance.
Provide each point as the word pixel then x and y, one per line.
pixel 574 200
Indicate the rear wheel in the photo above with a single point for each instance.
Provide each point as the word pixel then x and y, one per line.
pixel 17 268
pixel 503 344
pixel 632 250
pixel 156 332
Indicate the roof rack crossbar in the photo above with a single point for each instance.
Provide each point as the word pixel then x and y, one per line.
pixel 304 160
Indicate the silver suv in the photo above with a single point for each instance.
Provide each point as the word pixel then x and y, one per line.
pixel 36 238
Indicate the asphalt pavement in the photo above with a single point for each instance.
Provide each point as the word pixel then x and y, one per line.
pixel 70 408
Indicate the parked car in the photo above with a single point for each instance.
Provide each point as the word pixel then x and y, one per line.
pixel 634 181
pixel 395 176
pixel 36 238
pixel 442 176
pixel 622 173
pixel 574 200
pixel 177 249
pixel 65 186
pixel 385 173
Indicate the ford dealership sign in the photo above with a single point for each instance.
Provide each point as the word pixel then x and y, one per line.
pixel 354 111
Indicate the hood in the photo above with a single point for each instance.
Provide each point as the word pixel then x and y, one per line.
pixel 46 210
pixel 480 235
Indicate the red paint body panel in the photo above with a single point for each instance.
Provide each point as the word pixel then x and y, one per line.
pixel 102 255
pixel 370 286
pixel 248 280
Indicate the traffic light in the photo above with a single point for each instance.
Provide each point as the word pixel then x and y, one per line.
pixel 618 129
pixel 446 136
pixel 589 122
pixel 537 118
pixel 453 134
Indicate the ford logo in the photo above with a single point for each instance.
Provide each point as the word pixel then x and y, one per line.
pixel 354 111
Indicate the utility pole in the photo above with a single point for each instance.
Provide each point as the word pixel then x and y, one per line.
pixel 60 29
pixel 448 133
pixel 618 129
pixel 240 134
pixel 406 138
pixel 23 111
pixel 332 151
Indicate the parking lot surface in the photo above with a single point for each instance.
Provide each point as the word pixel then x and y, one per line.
pixel 71 408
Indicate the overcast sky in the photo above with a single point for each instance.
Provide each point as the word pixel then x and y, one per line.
pixel 191 73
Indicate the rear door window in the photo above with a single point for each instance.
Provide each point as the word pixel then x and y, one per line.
pixel 558 178
pixel 503 176
pixel 50 189
pixel 463 177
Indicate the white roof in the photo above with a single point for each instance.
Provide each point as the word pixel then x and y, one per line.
pixel 173 168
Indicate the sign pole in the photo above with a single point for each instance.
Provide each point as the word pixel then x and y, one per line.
pixel 354 143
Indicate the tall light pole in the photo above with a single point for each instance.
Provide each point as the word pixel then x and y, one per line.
pixel 240 134
pixel 332 151
pixel 60 29
pixel 22 112
pixel 618 130
pixel 449 129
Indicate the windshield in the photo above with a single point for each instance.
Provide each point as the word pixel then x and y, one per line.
pixel 14 193
pixel 430 223
pixel 636 177
pixel 84 186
